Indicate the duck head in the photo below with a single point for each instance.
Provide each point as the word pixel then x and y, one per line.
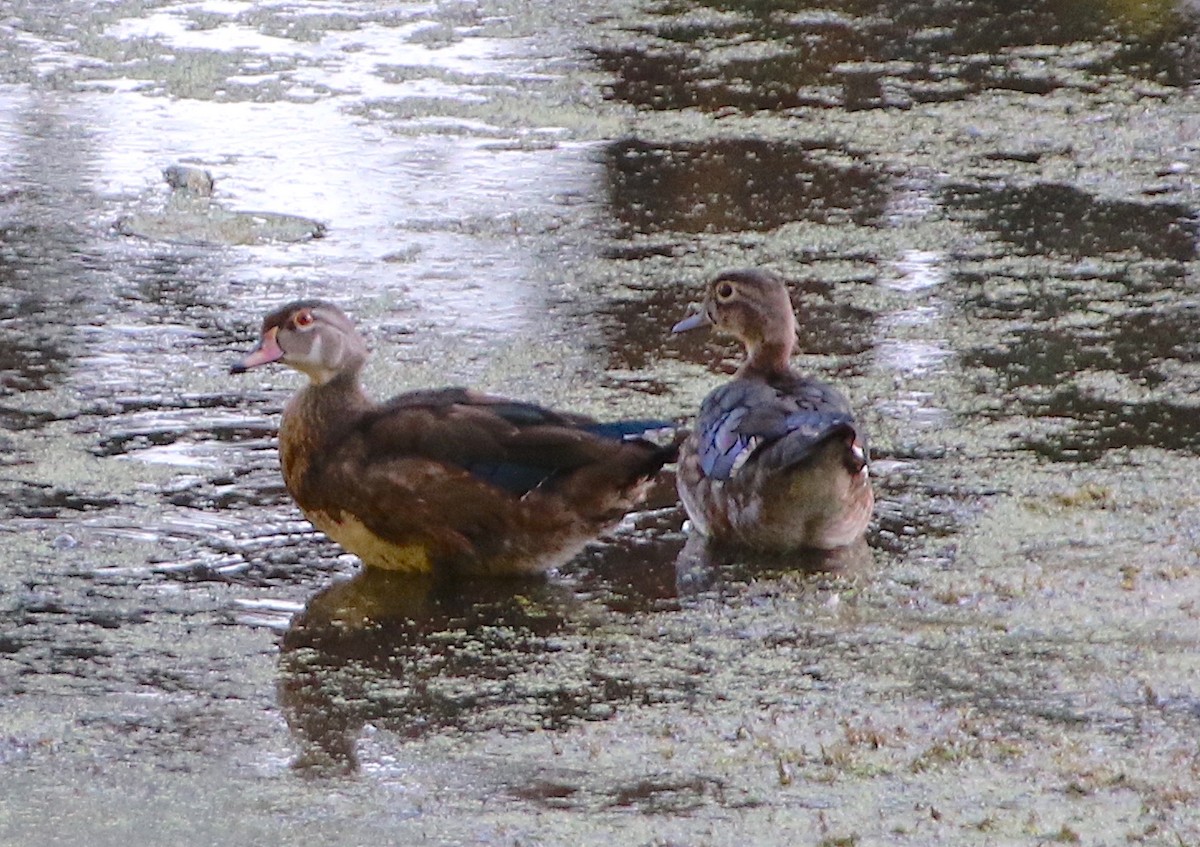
pixel 753 306
pixel 314 337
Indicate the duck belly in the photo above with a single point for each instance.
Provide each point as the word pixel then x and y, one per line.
pixel 354 537
pixel 518 552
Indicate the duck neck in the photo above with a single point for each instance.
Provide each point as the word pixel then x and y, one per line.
pixel 767 358
pixel 341 395
pixel 317 417
pixel 322 409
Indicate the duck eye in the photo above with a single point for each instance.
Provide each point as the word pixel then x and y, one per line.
pixel 724 291
pixel 304 319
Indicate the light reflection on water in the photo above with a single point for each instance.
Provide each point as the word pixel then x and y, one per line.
pixel 173 29
pixel 917 270
pixel 335 156
pixel 910 340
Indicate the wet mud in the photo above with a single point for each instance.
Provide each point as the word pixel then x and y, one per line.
pixel 988 219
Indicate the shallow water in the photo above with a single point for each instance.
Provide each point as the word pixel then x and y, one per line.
pixel 989 218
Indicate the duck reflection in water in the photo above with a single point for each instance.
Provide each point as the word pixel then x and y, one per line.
pixel 415 654
pixel 705 567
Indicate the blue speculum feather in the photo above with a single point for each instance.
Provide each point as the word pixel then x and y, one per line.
pixel 627 429
pixel 510 476
pixel 519 478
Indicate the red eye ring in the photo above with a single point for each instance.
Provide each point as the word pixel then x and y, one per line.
pixel 304 319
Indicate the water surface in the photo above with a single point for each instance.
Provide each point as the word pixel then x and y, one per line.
pixel 988 217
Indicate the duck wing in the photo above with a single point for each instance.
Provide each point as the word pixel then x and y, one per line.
pixel 778 424
pixel 512 445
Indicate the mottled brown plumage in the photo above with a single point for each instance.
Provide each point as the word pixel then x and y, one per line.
pixel 443 481
pixel 776 460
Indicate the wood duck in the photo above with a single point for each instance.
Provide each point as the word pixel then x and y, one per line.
pixel 776 460
pixel 442 481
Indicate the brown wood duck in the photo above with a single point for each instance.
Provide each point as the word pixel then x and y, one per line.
pixel 776 460
pixel 442 481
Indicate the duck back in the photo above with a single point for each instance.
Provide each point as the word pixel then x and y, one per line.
pixel 777 463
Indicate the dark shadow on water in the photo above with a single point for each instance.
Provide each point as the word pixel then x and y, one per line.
pixel 1100 425
pixel 670 74
pixel 864 55
pixel 32 358
pixel 1079 387
pixel 1135 344
pixel 42 500
pixel 729 185
pixel 1056 218
pixel 157 421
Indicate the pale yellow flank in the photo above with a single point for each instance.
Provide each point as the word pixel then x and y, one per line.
pixel 353 535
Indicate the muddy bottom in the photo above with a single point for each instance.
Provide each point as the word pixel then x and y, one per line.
pixel 988 218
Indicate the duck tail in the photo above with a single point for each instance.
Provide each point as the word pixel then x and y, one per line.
pixel 663 436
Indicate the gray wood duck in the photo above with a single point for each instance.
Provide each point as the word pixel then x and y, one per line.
pixel 776 460
pixel 442 481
